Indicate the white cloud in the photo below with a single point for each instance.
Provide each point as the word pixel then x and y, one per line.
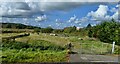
pixel 57 20
pixel 72 19
pixel 116 12
pixel 100 13
pixel 118 5
pixel 50 25
pixel 113 10
pixel 107 17
pixel 115 15
pixel 41 18
pixel 78 21
pixel 83 19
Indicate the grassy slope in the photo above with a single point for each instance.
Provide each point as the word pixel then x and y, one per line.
pixel 14 55
pixel 87 45
pixel 55 39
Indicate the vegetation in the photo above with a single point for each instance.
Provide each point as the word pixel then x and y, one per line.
pixel 17 26
pixel 38 51
pixel 43 47
pixel 106 32
pixel 47 30
pixel 69 29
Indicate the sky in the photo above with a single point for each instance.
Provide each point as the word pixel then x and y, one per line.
pixel 58 15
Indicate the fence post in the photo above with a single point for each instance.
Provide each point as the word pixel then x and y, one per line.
pixel 113 47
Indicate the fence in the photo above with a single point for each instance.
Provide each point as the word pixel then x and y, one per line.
pixel 95 48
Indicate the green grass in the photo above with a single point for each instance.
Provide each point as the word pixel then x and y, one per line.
pixel 37 51
pixel 42 36
pixel 95 46
pixel 33 56
pixel 38 44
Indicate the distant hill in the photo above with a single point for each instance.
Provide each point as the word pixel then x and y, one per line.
pixel 17 26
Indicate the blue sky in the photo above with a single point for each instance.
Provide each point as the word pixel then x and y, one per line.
pixel 58 15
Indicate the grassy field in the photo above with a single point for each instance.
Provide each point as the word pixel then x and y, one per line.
pixel 37 51
pixel 33 56
pixel 92 45
pixel 42 36
pixel 43 47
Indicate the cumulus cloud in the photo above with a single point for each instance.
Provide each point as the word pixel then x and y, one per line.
pixel 100 13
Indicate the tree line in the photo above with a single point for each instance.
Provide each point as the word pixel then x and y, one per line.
pixel 107 31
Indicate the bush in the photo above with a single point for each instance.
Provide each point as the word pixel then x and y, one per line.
pixel 46 30
pixel 106 32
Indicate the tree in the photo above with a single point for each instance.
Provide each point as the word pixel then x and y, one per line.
pixel 47 30
pixel 57 31
pixel 36 30
pixel 90 33
pixel 89 26
pixel 70 29
pixel 113 20
pixel 8 26
pixel 107 31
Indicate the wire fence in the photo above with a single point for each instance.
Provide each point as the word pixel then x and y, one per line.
pixel 95 48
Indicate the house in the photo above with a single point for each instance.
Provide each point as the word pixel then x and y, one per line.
pixel 77 28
